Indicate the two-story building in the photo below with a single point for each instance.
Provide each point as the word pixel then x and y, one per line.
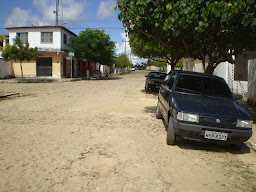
pixel 53 43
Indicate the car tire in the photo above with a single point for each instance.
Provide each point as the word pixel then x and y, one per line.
pixel 158 113
pixel 146 87
pixel 171 136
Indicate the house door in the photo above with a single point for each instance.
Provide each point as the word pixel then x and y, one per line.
pixel 44 66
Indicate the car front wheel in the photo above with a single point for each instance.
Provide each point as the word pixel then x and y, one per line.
pixel 171 136
pixel 147 88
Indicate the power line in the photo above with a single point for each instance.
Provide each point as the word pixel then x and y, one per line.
pixel 108 28
pixel 85 20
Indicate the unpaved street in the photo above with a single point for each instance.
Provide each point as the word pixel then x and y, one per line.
pixel 102 135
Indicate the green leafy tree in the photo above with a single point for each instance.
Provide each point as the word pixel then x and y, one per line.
pixel 195 29
pixel 95 46
pixel 2 38
pixel 148 47
pixel 122 61
pixel 162 63
pixel 180 64
pixel 20 52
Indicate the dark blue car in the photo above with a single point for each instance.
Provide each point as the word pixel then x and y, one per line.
pixel 154 80
pixel 201 107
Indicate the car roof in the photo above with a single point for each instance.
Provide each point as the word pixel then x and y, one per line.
pixel 194 73
pixel 157 72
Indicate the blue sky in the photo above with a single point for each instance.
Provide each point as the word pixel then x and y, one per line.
pixel 77 14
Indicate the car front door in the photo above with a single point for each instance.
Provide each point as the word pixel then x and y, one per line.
pixel 165 94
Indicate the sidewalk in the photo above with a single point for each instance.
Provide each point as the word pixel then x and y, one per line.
pixel 252 110
pixel 252 140
pixel 39 80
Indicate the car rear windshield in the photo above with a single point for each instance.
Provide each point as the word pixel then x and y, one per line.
pixel 157 75
pixel 203 85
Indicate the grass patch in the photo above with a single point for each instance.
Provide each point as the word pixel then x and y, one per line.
pixel 245 178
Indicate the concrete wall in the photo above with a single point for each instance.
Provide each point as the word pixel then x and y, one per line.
pixel 222 70
pixel 5 69
pixel 29 68
pixel 226 71
pixel 187 65
pixel 252 81
pixel 151 68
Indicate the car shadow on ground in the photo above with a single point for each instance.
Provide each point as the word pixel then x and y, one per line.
pixel 210 146
pixel 151 109
pixel 150 92
pixel 106 78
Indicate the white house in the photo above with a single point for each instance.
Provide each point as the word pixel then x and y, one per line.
pixel 52 42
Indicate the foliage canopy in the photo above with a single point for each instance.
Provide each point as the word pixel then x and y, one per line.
pixel 95 46
pixel 122 61
pixel 20 52
pixel 188 28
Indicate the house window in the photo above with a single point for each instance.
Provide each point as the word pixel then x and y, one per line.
pixel 65 39
pixel 7 41
pixel 46 37
pixel 23 37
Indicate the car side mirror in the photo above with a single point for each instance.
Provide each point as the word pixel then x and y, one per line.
pixel 146 75
pixel 238 97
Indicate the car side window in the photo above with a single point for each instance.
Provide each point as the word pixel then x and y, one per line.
pixel 166 79
pixel 171 80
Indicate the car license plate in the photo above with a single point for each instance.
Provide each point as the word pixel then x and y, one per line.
pixel 216 135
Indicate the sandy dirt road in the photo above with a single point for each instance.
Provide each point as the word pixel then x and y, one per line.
pixel 102 135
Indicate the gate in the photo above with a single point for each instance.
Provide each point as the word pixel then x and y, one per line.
pixel 44 66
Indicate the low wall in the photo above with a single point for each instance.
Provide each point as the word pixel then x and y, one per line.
pixel 252 81
pixel 5 69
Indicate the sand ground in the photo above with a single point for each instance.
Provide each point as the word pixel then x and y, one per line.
pixel 102 135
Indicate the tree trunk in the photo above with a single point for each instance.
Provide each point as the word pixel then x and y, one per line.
pixel 172 67
pixel 99 70
pixel 203 63
pixel 21 70
pixel 210 68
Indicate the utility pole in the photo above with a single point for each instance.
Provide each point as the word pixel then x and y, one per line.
pixel 57 11
pixel 125 46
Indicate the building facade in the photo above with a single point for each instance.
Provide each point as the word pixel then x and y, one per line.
pixel 53 43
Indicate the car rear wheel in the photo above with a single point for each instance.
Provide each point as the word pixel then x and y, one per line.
pixel 158 113
pixel 171 136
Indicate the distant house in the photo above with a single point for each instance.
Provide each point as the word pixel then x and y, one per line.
pixel 53 43
pixel 5 67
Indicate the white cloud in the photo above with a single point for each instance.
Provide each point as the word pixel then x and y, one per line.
pixel 120 49
pixel 20 17
pixel 106 9
pixel 72 10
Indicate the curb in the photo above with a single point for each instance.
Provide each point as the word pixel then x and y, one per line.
pixel 252 145
pixel 40 80
pixel 7 95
